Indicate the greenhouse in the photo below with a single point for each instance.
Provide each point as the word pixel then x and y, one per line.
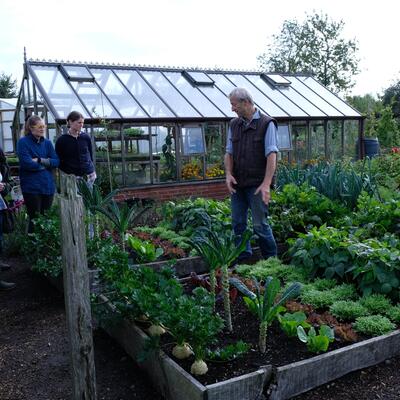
pixel 154 125
pixel 7 109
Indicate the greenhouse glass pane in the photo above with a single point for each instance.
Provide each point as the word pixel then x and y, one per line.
pixel 58 91
pixel 262 102
pixel 313 98
pixel 329 96
pixel 223 84
pixel 165 89
pixel 200 77
pixel 94 99
pixel 194 95
pixel 77 72
pixel 275 95
pixel 283 135
pixel 144 94
pixel 116 92
pixel 278 79
pixel 218 98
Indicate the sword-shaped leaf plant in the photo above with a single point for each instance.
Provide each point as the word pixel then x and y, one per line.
pixel 264 305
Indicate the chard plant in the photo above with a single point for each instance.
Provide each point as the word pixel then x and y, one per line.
pixel 265 305
pixel 316 343
pixel 220 251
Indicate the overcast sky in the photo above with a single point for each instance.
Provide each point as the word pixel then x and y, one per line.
pixel 207 33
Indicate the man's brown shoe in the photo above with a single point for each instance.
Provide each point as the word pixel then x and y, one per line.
pixel 7 285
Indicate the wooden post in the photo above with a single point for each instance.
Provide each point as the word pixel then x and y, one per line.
pixel 76 290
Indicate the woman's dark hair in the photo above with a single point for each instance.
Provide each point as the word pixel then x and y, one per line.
pixel 74 116
pixel 31 121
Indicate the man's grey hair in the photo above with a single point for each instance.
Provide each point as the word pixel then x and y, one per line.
pixel 241 94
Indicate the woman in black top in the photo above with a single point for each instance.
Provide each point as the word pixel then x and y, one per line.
pixel 74 149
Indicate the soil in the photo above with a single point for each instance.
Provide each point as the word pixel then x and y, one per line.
pixel 280 349
pixel 34 354
pixel 34 350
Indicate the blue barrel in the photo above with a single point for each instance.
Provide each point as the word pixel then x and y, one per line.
pixel 371 147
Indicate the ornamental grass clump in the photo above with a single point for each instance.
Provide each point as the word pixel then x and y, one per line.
pixel 373 325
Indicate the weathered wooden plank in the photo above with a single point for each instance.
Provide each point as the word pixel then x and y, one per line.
pixel 296 378
pixel 76 290
pixel 172 381
pixel 182 267
pixel 244 387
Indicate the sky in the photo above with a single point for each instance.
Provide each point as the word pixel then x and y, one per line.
pixel 227 34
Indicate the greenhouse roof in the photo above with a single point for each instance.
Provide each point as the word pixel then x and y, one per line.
pixel 140 93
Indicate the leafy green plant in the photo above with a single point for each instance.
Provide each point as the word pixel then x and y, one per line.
pixel 373 325
pixel 376 303
pixel 121 216
pixel 93 200
pixel 274 267
pixel 265 305
pixel 325 298
pixel 348 310
pixel 220 250
pixel 393 313
pixel 144 251
pixel 316 343
pixel 229 352
pixel 322 251
pixel 290 321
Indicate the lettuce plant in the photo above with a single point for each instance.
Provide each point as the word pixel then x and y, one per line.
pixel 316 343
pixel 289 322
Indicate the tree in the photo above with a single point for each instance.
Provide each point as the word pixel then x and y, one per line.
pixel 391 97
pixel 314 46
pixel 8 86
pixel 366 104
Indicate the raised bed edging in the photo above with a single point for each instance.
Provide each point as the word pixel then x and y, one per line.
pixel 174 383
pixel 299 377
pixel 183 266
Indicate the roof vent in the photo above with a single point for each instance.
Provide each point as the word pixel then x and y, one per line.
pixel 198 78
pixel 275 79
pixel 75 73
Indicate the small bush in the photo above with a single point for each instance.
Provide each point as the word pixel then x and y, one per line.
pixel 345 291
pixel 348 310
pixel 272 267
pixel 394 314
pixel 323 284
pixel 374 325
pixel 376 303
pixel 325 298
pixel 318 298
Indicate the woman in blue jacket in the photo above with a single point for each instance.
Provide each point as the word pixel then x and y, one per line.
pixel 37 159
